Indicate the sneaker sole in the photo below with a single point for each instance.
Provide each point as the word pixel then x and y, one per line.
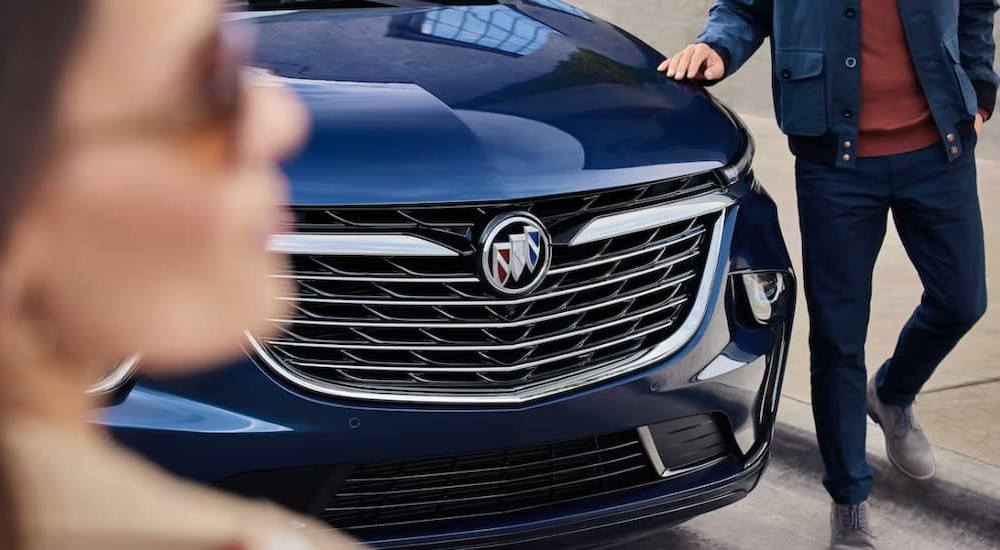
pixel 888 452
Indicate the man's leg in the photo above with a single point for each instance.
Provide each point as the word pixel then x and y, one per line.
pixel 842 216
pixel 936 208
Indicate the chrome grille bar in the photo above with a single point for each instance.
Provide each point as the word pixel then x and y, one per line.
pixel 514 301
pixel 345 279
pixel 522 366
pixel 500 324
pixel 357 245
pixel 614 225
pixel 482 347
pixel 689 234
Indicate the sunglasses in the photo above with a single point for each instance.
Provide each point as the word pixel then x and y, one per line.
pixel 208 117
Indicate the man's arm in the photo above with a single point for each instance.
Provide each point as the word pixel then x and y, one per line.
pixel 736 29
pixel 975 36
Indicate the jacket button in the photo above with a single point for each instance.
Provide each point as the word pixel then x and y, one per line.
pixel 950 138
pixel 848 114
pixel 954 150
pixel 846 157
pixel 850 12
pixel 851 62
pixel 786 73
pixel 847 144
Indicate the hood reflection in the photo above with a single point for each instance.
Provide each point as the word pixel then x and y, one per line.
pixel 496 28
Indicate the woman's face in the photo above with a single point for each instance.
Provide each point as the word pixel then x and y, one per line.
pixel 147 231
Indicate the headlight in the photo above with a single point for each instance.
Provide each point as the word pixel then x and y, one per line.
pixel 117 378
pixel 768 295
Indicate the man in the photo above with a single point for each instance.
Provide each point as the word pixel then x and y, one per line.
pixel 882 101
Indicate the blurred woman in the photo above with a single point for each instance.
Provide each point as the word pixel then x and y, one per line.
pixel 139 183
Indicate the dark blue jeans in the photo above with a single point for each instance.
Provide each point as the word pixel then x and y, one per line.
pixel 843 215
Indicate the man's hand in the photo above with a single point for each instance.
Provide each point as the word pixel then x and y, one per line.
pixel 980 122
pixel 695 62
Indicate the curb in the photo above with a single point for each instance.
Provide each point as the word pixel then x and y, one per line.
pixel 964 496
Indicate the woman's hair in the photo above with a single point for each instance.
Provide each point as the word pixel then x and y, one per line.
pixel 36 40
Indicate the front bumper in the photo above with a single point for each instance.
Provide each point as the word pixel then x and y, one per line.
pixel 615 523
pixel 243 419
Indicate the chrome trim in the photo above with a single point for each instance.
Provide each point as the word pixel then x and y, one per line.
pixel 366 279
pixel 233 17
pixel 687 235
pixel 510 302
pixel 473 325
pixel 692 469
pixel 555 386
pixel 649 445
pixel 354 244
pixel 758 455
pixel 719 366
pixel 698 310
pixel 633 221
pixel 117 378
pixel 515 368
pixel 485 347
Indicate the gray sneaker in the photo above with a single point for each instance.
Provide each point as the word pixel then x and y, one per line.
pixel 905 441
pixel 850 527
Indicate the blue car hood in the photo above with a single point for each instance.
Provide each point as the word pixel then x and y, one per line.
pixel 489 102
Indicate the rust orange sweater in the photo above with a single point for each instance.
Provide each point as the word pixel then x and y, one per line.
pixel 895 117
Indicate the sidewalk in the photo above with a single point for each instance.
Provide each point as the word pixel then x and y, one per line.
pixel 789 509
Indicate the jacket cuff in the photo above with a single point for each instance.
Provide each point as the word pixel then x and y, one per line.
pixel 727 60
pixel 986 96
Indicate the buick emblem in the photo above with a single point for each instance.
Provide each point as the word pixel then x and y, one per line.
pixel 515 253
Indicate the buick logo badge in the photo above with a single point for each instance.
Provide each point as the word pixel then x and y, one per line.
pixel 515 253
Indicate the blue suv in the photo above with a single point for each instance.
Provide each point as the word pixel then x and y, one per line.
pixel 542 299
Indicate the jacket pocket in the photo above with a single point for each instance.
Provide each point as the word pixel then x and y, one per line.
pixel 966 92
pixel 801 92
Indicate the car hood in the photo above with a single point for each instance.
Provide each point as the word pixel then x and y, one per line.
pixel 488 102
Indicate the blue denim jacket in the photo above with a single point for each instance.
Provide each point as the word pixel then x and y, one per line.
pixel 816 52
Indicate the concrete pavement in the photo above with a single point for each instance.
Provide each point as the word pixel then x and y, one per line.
pixel 790 509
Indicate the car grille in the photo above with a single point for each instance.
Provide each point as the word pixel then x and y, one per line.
pixel 406 495
pixel 424 328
